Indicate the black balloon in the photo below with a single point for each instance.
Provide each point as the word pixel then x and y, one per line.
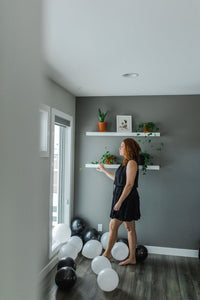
pixel 66 262
pixel 123 241
pixel 65 278
pixel 141 253
pixel 77 225
pixel 91 234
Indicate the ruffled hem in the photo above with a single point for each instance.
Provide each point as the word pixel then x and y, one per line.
pixel 123 218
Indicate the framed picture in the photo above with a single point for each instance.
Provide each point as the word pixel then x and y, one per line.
pixel 124 123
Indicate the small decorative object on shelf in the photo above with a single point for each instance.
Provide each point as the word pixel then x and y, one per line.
pixel 102 126
pixel 124 123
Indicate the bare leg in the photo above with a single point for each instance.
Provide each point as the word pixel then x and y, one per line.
pixel 113 231
pixel 132 240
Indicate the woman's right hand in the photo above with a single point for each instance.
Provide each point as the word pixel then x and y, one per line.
pixel 100 168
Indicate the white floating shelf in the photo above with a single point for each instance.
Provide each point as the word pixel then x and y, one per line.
pixel 115 166
pixel 137 134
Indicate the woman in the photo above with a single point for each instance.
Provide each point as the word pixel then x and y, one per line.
pixel 125 205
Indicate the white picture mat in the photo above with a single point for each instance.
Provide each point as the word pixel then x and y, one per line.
pixel 124 123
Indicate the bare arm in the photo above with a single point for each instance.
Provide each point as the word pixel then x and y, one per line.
pixel 100 168
pixel 131 171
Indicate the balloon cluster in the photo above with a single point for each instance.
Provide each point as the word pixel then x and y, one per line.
pixel 93 243
pixel 71 248
pixel 107 278
pixel 66 268
pixel 120 249
pixel 66 275
pixel 91 238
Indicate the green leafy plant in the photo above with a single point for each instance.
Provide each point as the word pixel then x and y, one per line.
pixel 95 162
pixel 102 115
pixel 106 158
pixel 146 159
pixel 147 138
pixel 147 127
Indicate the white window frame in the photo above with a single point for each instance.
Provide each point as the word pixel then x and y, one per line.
pixel 69 171
pixel 44 130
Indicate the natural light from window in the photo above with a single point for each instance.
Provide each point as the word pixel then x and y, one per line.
pixel 60 173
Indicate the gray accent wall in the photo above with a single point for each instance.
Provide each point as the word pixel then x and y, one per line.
pixel 170 202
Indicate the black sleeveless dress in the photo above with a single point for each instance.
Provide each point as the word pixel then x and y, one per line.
pixel 130 208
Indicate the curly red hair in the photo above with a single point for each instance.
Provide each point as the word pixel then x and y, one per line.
pixel 132 151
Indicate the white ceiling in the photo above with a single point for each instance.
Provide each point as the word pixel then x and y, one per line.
pixel 89 44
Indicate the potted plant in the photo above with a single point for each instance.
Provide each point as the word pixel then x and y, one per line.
pixel 102 126
pixel 107 158
pixel 145 159
pixel 147 127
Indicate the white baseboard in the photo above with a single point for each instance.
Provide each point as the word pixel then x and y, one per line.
pixel 172 251
pixel 43 273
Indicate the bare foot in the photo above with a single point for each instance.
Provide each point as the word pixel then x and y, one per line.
pixel 108 256
pixel 128 261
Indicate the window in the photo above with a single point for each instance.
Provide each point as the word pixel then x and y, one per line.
pixel 61 173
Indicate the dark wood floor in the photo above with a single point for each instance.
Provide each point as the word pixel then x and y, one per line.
pixel 159 277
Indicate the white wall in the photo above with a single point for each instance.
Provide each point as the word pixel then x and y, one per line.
pixel 24 176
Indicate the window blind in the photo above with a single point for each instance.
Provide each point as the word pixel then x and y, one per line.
pixel 62 122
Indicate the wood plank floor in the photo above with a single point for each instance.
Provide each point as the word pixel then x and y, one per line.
pixel 159 277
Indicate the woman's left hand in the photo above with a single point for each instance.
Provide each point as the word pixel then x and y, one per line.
pixel 117 205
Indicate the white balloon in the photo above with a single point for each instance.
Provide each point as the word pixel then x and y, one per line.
pixel 67 250
pixel 120 251
pixel 108 280
pixel 99 263
pixel 92 249
pixel 76 241
pixel 104 240
pixel 61 233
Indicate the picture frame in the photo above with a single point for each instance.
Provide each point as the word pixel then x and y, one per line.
pixel 124 123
